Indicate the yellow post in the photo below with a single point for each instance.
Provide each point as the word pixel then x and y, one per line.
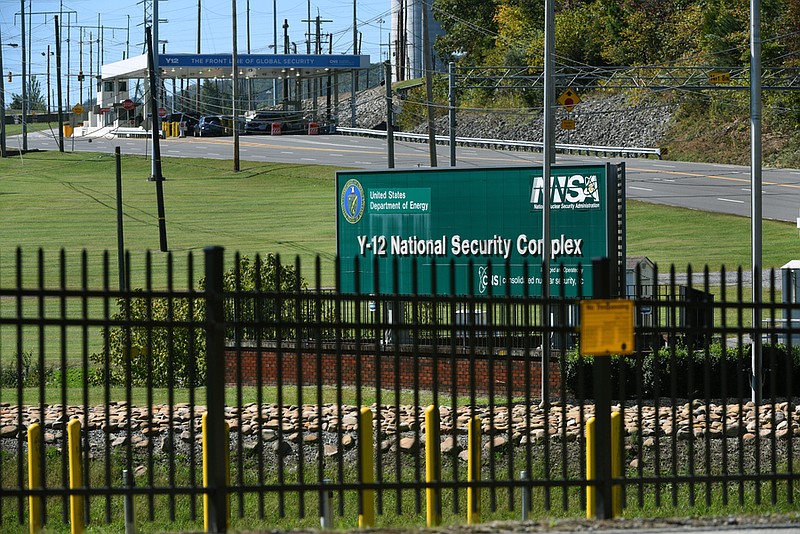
pixel 433 466
pixel 34 475
pixel 175 129
pixel 616 465
pixel 75 476
pixel 616 462
pixel 590 490
pixel 474 471
pixel 206 467
pixel 366 519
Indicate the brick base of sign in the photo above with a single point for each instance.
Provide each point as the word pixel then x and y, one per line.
pixel 489 374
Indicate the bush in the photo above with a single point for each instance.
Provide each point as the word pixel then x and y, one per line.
pixel 162 340
pixel 711 372
pixel 24 372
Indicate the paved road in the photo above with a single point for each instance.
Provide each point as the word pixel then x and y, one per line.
pixel 707 187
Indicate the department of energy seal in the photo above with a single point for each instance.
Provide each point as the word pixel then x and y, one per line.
pixel 352 201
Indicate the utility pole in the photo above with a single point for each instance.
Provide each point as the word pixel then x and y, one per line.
pixel 286 75
pixel 197 82
pixel 354 73
pixel 24 81
pixel 755 192
pixel 234 88
pixel 428 65
pixel 547 146
pixel 58 87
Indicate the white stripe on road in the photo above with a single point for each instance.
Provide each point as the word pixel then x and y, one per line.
pixel 731 200
pixel 640 188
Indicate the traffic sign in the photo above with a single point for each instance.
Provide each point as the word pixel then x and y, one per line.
pixel 162 112
pixel 567 124
pixel 569 99
pixel 128 104
pixel 717 77
pixel 78 109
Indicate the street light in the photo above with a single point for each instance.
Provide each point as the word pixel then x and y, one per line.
pixel 48 54
pixel 3 100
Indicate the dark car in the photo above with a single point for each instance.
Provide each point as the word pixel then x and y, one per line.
pixel 211 125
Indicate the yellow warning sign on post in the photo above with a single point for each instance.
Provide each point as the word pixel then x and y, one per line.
pixel 567 124
pixel 606 327
pixel 78 109
pixel 569 99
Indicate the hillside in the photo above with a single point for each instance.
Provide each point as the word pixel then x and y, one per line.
pixel 688 131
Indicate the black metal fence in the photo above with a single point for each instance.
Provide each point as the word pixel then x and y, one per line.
pixel 154 375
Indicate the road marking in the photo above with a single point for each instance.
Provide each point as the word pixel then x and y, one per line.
pixel 640 188
pixel 731 200
pixel 663 166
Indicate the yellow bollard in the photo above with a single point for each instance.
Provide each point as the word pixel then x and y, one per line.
pixel 474 471
pixel 175 129
pixel 206 467
pixel 616 465
pixel 366 519
pixel 75 476
pixel 34 476
pixel 616 462
pixel 433 466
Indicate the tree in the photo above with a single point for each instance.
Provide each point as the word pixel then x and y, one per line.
pixel 469 26
pixel 37 101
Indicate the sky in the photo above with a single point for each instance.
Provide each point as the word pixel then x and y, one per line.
pixel 120 18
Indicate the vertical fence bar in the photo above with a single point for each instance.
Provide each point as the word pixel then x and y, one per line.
pixel 366 518
pixel 217 444
pixel 602 403
pixel 474 472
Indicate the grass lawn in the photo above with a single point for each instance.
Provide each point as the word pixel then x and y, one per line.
pixel 67 201
pixel 55 201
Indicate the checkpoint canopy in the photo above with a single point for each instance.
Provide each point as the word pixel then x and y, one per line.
pixel 277 66
pixel 481 227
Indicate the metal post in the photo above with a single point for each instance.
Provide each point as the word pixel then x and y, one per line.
pixel 451 71
pixel 755 191
pixel 601 368
pixel 325 506
pixel 547 134
pixel 526 496
pixel 389 115
pixel 2 103
pixel 130 510
pixel 215 390
pixel 120 235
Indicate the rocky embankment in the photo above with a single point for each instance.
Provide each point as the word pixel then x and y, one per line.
pixel 286 428
pixel 612 119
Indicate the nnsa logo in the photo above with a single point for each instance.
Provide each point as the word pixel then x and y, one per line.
pixel 568 192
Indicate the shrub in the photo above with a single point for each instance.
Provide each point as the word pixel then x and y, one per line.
pixel 711 372
pixel 162 340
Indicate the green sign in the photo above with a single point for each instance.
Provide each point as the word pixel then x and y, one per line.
pixel 479 231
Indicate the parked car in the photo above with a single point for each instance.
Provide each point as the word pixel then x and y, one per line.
pixel 290 121
pixel 211 125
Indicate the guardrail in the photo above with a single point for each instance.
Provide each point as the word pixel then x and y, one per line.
pixel 505 144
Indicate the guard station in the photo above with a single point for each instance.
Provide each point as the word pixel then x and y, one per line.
pixel 117 108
